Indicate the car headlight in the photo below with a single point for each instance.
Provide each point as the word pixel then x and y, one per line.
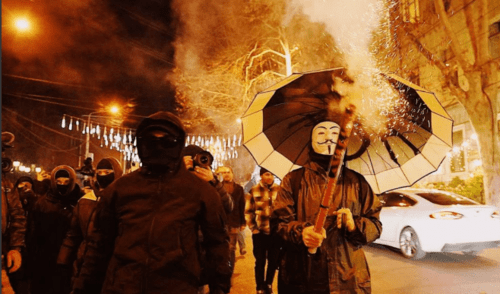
pixel 496 214
pixel 446 215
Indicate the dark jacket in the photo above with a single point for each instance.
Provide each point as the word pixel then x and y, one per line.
pixel 13 218
pixel 50 222
pixel 236 218
pixel 341 252
pixel 73 246
pixel 146 239
pixel 75 243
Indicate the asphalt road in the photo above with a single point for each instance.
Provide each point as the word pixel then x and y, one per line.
pixel 441 273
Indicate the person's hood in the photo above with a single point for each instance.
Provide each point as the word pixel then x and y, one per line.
pixel 72 179
pixel 108 163
pixel 161 118
pixel 115 164
pixel 24 179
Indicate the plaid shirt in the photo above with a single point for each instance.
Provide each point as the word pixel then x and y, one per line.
pixel 259 207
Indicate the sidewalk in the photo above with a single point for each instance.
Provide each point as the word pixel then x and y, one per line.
pixel 243 276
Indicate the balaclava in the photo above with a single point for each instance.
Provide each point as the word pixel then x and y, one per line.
pixel 160 139
pixel 108 163
pixel 62 189
pixel 25 192
pixel 62 171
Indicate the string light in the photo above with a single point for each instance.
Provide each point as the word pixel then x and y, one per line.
pixel 222 146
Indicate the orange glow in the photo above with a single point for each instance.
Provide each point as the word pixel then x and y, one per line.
pixel 114 109
pixel 22 24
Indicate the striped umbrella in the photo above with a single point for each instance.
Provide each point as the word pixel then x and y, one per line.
pixel 416 137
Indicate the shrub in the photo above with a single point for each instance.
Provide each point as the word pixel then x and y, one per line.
pixel 471 188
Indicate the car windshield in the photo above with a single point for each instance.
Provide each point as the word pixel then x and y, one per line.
pixel 443 198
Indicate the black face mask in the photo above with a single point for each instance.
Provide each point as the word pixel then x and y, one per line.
pixel 160 150
pixel 106 180
pixel 25 195
pixel 62 189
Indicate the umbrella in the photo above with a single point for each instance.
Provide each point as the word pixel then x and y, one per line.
pixel 414 140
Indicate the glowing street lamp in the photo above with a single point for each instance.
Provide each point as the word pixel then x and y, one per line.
pixel 114 109
pixel 22 24
pixel 38 169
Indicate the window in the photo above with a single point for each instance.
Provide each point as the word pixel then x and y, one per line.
pixel 446 198
pixel 495 40
pixel 457 162
pixel 396 200
pixel 410 9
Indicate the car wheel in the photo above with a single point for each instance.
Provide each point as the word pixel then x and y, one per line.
pixel 410 245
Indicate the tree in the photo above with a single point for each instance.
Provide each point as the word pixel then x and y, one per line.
pixel 472 76
pixel 255 46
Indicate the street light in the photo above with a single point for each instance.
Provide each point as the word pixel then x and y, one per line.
pixel 22 24
pixel 113 110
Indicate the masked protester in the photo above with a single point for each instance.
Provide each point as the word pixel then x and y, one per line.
pixel 339 265
pixel 146 225
pixel 75 243
pixel 13 220
pixel 50 222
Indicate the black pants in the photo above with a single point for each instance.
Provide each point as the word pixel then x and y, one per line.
pixel 266 248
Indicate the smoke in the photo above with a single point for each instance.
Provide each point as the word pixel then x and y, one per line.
pixel 353 24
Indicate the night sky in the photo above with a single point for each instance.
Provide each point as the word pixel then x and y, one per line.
pixel 77 57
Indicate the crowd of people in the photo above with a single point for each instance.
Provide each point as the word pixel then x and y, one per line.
pixel 174 225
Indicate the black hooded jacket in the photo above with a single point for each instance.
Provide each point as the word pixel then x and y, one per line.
pixel 145 237
pixel 50 222
pixel 75 243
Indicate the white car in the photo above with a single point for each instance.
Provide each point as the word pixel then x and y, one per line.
pixel 418 221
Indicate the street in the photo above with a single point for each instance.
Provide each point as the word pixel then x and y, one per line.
pixel 442 273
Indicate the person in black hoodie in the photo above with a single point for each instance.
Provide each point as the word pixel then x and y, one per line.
pixel 145 238
pixel 50 221
pixel 74 245
pixel 24 187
